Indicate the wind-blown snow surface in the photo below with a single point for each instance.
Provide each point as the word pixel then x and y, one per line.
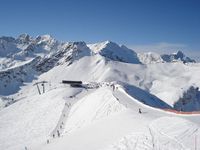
pixel 104 115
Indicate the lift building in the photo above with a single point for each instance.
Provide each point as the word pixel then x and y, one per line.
pixel 73 83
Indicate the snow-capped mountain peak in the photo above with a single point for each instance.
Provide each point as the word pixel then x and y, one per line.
pixel 178 56
pixel 98 46
pixel 115 52
pixel 24 38
pixel 44 38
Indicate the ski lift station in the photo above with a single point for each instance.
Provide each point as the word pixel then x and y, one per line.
pixel 76 84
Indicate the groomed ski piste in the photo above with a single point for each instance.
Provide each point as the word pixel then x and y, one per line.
pixel 123 104
pixel 115 123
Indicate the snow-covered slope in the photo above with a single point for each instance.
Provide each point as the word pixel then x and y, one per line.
pixel 106 114
pixel 177 133
pixel 144 129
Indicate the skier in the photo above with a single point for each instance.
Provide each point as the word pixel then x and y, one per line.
pixel 113 86
pixel 140 110
pixel 53 135
pixel 58 133
pixel 26 148
pixel 47 141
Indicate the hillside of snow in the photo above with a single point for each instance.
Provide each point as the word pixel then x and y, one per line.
pixel 104 113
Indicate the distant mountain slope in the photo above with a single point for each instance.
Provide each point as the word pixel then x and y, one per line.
pixel 179 56
pixel 189 101
pixel 150 57
pixel 115 52
pixel 14 52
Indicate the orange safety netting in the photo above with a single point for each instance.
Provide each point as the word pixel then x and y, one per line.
pixel 182 112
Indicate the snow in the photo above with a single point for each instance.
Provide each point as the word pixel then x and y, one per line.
pixel 161 136
pixel 31 120
pixel 97 105
pixel 149 58
pixel 108 130
pixel 105 113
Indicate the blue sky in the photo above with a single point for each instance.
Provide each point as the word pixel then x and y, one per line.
pixel 136 23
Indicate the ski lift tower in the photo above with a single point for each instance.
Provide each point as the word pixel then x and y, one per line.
pixel 42 84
